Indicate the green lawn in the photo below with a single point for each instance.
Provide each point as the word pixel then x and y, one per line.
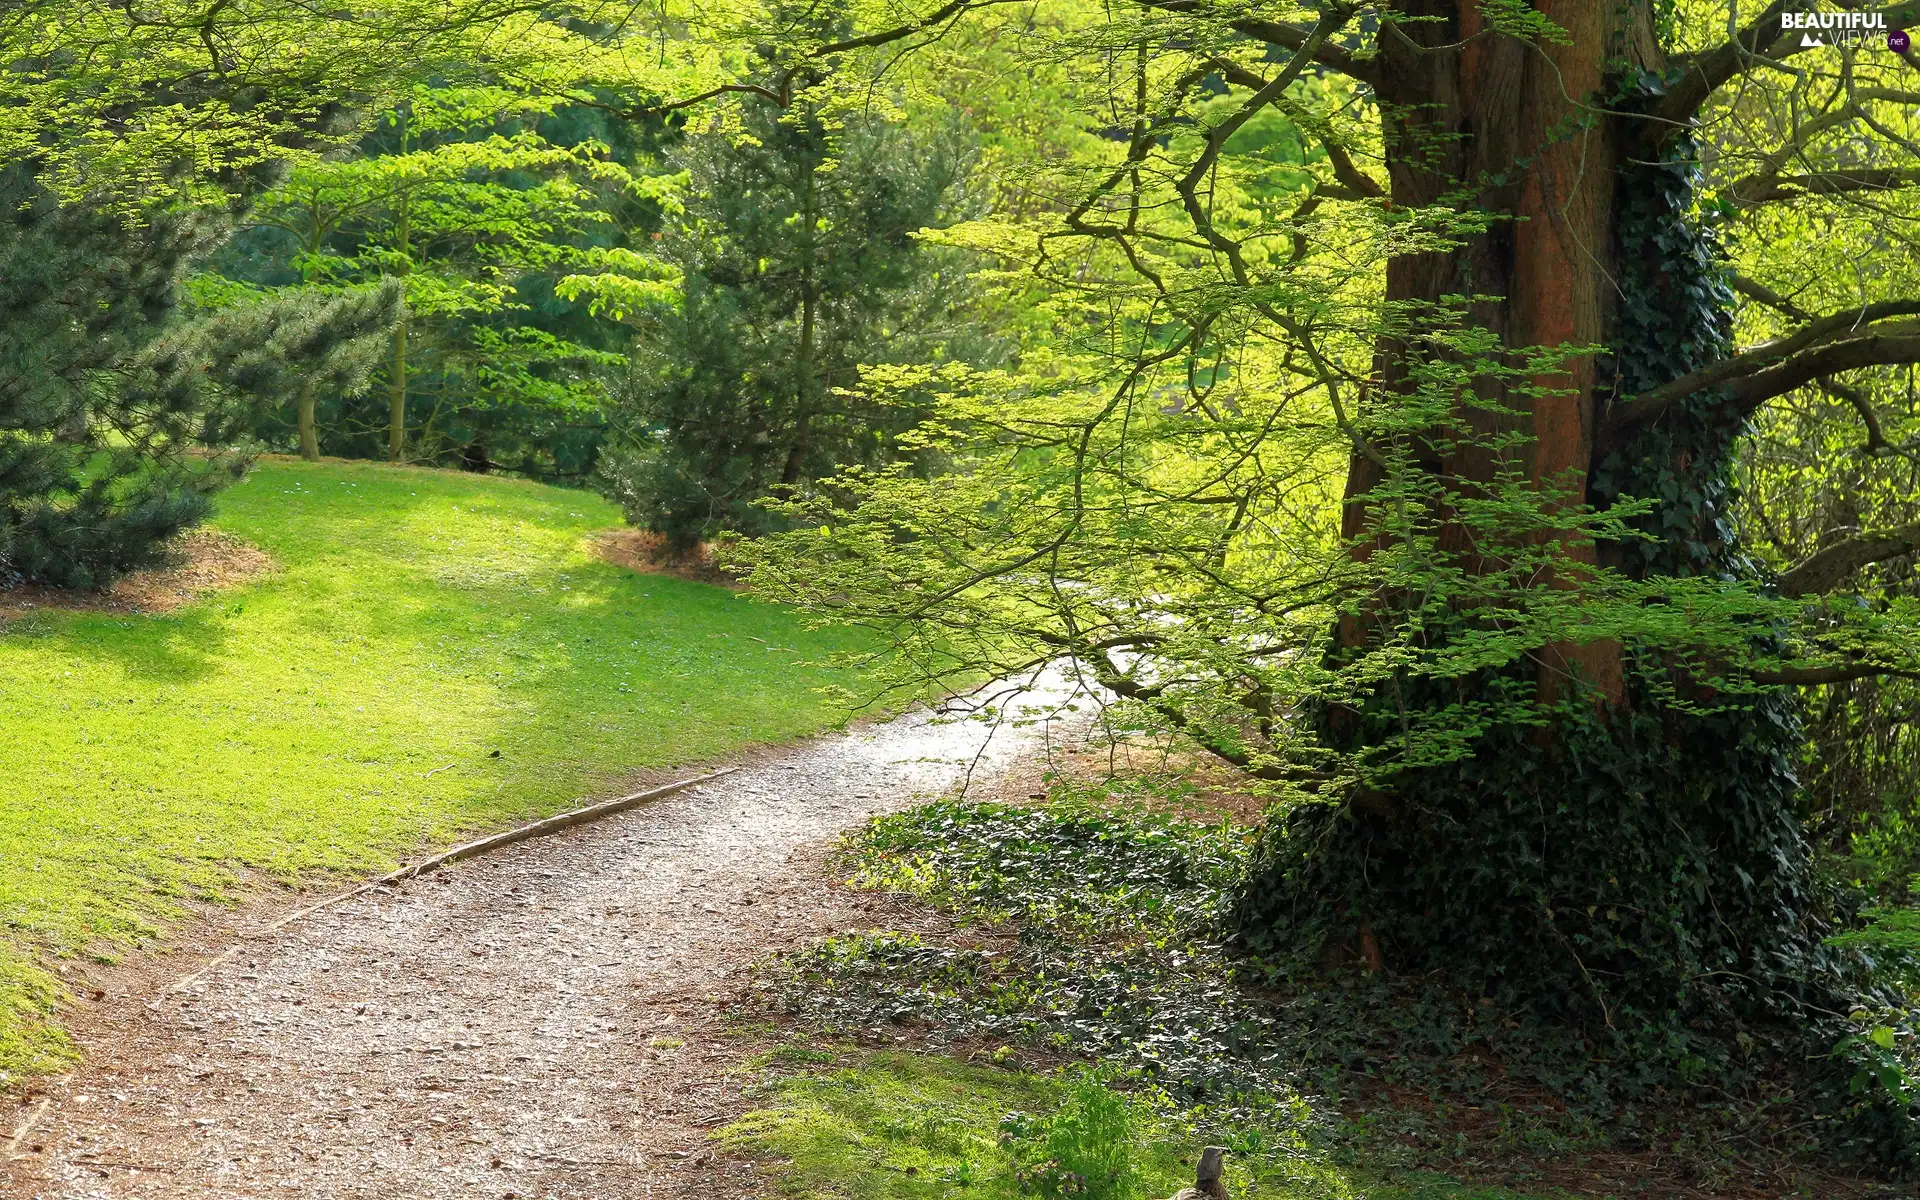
pixel 417 618
pixel 896 1126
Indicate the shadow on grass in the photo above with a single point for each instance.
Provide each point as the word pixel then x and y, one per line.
pixel 176 648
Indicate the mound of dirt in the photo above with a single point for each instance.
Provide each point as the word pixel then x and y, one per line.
pixel 643 550
pixel 199 562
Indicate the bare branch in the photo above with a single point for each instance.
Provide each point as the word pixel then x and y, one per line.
pixel 1754 290
pixel 1826 569
pixel 1863 408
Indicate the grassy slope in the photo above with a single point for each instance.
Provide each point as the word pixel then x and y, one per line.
pixel 925 1127
pixel 419 618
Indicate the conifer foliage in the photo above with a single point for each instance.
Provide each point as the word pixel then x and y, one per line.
pixel 113 390
pixel 800 264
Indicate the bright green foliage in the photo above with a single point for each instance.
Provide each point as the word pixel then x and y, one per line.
pixel 1835 460
pixel 1488 628
pixel 416 619
pixel 798 264
pixel 1084 1149
pixel 131 137
pixel 178 102
pixel 459 197
pixel 920 1127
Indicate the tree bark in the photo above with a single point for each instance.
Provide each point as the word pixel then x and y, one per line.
pixel 397 395
pixel 1514 125
pixel 805 371
pixel 309 435
pixel 1608 857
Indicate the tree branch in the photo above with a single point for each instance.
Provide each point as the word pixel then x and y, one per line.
pixel 1815 676
pixel 1358 184
pixel 1824 570
pixel 1755 189
pixel 950 9
pixel 1703 74
pixel 1754 290
pixel 1777 367
pixel 1287 37
pixel 752 89
pixel 1863 408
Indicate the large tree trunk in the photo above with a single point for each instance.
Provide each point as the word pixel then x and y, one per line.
pixel 1626 865
pixel 1511 122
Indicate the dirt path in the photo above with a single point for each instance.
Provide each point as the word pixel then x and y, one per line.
pixel 533 1024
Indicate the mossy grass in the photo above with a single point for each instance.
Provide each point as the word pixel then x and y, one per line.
pixel 902 1126
pixel 298 725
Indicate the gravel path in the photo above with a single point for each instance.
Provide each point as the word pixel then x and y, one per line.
pixel 531 1024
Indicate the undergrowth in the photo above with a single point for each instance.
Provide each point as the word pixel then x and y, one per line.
pixel 1070 867
pixel 1087 931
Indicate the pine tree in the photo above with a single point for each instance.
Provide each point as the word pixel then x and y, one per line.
pixel 111 391
pixel 800 264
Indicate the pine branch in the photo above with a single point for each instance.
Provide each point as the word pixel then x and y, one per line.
pixel 1824 570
